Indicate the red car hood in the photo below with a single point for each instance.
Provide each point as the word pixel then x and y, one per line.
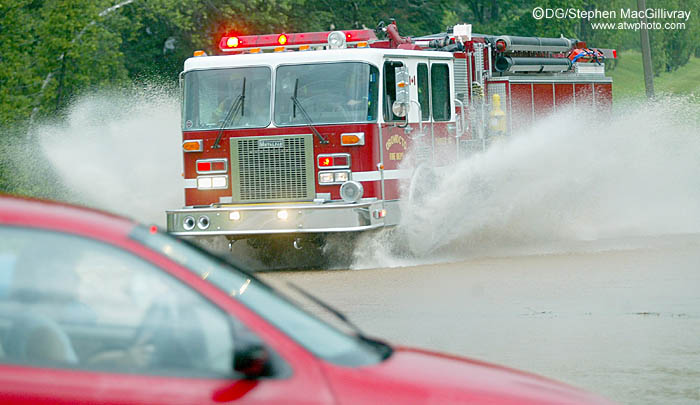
pixel 413 376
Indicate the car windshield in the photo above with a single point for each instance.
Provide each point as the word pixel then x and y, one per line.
pixel 232 98
pixel 330 93
pixel 317 336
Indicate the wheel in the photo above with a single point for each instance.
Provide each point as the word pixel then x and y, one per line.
pixel 339 249
pixel 278 252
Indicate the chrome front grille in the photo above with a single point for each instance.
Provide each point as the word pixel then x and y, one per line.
pixel 272 168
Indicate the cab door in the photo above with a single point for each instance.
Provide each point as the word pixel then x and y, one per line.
pixel 401 134
pixel 442 111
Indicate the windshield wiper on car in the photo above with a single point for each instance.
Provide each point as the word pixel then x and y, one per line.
pixel 236 107
pixel 306 116
pixel 385 349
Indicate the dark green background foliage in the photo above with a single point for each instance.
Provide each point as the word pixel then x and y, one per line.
pixel 51 51
pixel 79 50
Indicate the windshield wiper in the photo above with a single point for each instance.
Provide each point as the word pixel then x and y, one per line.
pixel 384 349
pixel 330 309
pixel 310 123
pixel 232 113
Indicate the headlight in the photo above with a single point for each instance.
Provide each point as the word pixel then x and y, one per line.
pixel 218 182
pixel 341 177
pixel 333 177
pixel 212 182
pixel 351 191
pixel 204 182
pixel 325 178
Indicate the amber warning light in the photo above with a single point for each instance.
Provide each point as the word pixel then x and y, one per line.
pixel 354 138
pixel 192 146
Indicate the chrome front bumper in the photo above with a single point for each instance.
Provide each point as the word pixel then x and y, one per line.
pixel 261 219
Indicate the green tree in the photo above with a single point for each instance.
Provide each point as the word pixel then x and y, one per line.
pixel 51 50
pixel 18 80
pixel 672 48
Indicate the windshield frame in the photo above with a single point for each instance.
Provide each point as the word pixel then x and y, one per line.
pixel 183 102
pixel 376 97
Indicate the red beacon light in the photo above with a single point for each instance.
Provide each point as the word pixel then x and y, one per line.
pixel 232 42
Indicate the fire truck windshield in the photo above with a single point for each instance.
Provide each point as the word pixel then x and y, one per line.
pixel 209 96
pixel 331 93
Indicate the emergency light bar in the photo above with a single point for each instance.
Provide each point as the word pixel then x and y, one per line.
pixel 271 41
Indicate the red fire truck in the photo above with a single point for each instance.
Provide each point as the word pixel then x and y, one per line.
pixel 306 134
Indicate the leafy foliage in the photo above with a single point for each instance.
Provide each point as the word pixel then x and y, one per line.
pixel 51 50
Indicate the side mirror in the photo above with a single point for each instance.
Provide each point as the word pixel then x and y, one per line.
pixel 251 359
pixel 403 100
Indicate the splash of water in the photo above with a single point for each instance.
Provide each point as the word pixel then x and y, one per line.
pixel 120 151
pixel 572 177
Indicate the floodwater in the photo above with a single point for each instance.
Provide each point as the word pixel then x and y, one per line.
pixel 572 251
pixel 622 323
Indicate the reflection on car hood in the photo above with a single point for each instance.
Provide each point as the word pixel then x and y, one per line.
pixel 412 376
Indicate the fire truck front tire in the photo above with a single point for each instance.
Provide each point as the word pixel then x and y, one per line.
pixel 277 252
pixel 303 251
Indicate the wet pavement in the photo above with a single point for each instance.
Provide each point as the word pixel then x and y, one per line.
pixel 624 323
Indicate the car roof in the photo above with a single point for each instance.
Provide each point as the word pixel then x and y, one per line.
pixel 58 216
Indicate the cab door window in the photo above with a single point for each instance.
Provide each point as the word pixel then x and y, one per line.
pixel 71 302
pixel 423 92
pixel 390 90
pixel 440 91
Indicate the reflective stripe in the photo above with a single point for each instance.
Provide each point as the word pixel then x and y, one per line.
pixel 375 175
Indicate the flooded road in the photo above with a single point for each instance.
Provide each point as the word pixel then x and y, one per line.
pixel 624 323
